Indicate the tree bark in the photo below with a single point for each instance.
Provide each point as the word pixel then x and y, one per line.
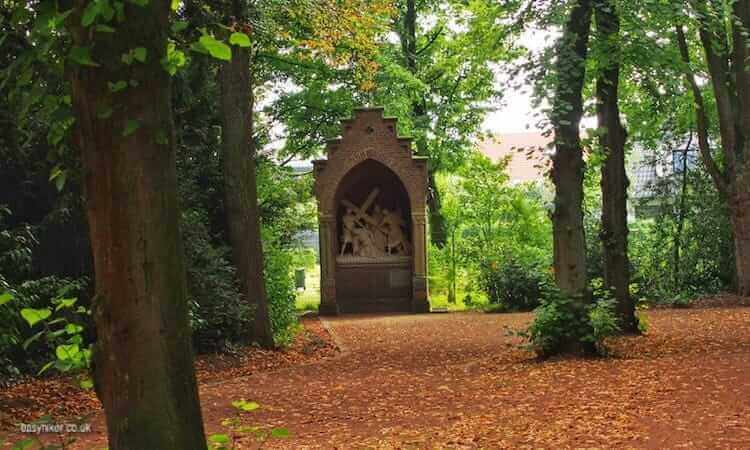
pixel 677 269
pixel 143 359
pixel 567 163
pixel 408 36
pixel 240 189
pixel 614 183
pixel 730 79
pixel 740 199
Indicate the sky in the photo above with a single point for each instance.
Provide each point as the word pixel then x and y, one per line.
pixel 515 114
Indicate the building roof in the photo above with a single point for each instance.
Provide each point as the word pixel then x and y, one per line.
pixel 522 167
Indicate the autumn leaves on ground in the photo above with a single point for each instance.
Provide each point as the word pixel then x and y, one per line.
pixel 461 381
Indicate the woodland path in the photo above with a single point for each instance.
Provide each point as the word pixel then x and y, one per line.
pixel 452 381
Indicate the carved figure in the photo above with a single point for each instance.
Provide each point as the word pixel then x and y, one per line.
pixel 396 239
pixel 375 235
pixel 355 234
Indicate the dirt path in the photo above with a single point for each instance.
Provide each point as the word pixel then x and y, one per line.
pixel 452 380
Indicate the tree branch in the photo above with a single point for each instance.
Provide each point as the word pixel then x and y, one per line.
pixel 701 118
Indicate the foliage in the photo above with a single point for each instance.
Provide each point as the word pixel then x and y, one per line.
pixel 673 264
pixel 498 234
pixel 236 428
pixel 219 313
pixel 562 322
pixel 514 284
pixel 281 292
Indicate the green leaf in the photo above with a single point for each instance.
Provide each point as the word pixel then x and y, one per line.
pixel 139 2
pixel 45 368
pixel 243 405
pixel 86 383
pixel 140 54
pixel 33 316
pixel 5 298
pixel 67 352
pixel 219 439
pixel 215 48
pixel 280 433
pixel 31 340
pixel 101 28
pixel 131 126
pixel 90 13
pixel 65 303
pixel 179 26
pixel 82 56
pixel 118 86
pixel 73 328
pixel 173 60
pixel 239 39
pixel 24 444
pixel 198 48
pixel 175 5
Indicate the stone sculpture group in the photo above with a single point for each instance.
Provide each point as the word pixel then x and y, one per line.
pixel 373 235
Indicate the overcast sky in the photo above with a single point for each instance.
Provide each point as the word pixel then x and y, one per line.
pixel 515 114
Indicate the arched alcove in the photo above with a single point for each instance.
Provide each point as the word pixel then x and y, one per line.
pixel 371 193
pixel 366 178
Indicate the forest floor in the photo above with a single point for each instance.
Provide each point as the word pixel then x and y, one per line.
pixel 460 381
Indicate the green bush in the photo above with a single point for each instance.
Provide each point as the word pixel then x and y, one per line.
pixel 562 324
pixel 513 285
pixel 281 294
pixel 219 314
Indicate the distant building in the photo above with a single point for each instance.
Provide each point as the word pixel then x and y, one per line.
pixel 656 174
pixel 522 167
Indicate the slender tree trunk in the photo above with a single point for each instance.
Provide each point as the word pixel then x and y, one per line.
pixel 567 163
pixel 240 190
pixel 143 360
pixel 408 36
pixel 614 183
pixel 681 214
pixel 435 208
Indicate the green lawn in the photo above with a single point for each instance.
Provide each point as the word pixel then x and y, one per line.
pixel 309 299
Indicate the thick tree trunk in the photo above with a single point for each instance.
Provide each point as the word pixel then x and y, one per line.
pixel 567 162
pixel 241 193
pixel 731 83
pixel 740 199
pixel 143 360
pixel 741 230
pixel 614 183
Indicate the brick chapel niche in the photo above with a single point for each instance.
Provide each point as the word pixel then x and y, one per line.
pixel 371 193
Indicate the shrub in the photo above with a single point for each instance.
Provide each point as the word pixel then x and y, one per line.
pixel 515 285
pixel 219 314
pixel 564 324
pixel 281 294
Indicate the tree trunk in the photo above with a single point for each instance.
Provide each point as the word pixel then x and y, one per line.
pixel 143 359
pixel 240 190
pixel 740 207
pixel 614 183
pixel 408 36
pixel 730 78
pixel 677 270
pixel 740 199
pixel 434 206
pixel 567 162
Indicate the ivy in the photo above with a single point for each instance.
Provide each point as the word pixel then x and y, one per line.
pixel 214 47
